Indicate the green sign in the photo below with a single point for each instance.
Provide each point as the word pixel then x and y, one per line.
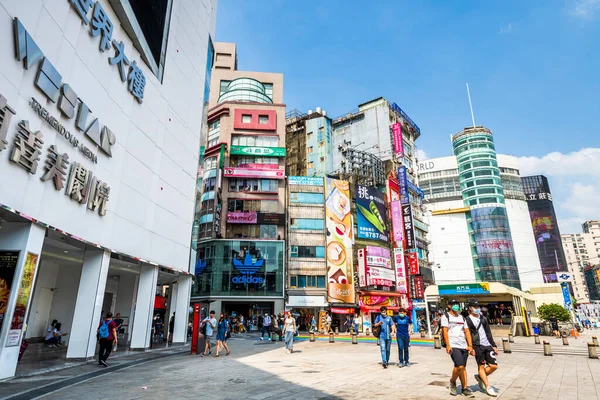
pixel 465 288
pixel 257 151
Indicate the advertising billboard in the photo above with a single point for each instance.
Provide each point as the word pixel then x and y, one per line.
pixel 305 180
pixel 398 144
pixel 397 221
pixel 371 212
pixel 409 233
pixel 419 287
pixel 340 270
pixel 413 261
pixel 403 185
pixel 375 270
pixel 254 173
pixel 400 268
pixel 547 239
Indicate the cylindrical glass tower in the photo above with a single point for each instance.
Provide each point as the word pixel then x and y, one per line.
pixel 491 242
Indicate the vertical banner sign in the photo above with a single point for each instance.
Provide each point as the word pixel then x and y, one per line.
pixel 340 269
pixel 397 221
pixel 403 185
pixel 400 268
pixel 409 233
pixel 398 144
pixel 371 213
pixel 566 295
pixel 413 261
pixel 8 266
pixel 16 326
pixel 419 287
pixel 362 276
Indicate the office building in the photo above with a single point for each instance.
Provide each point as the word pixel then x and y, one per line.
pixel 545 226
pixel 100 122
pixel 241 224
pixel 309 143
pixel 582 251
pixel 479 224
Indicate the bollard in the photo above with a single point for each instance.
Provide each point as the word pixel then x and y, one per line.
pixel 537 339
pixel 422 334
pixel 511 339
pixel 592 350
pixel 312 336
pixel 331 339
pixel 595 341
pixel 565 340
pixel 337 330
pixel 506 346
pixel 273 337
pixel 547 349
pixel 377 341
pixel 367 332
pixel 437 344
pixel 354 339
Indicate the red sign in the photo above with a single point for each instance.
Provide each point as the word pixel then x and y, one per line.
pixel 241 217
pixel 413 262
pixel 255 173
pixel 419 287
pixel 337 310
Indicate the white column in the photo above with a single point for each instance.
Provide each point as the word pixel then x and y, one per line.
pixel 171 306
pixel 25 238
pixel 184 288
pixel 88 306
pixel 142 317
pixel 125 297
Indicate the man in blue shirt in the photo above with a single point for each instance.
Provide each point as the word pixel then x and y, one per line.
pixel 385 338
pixel 403 323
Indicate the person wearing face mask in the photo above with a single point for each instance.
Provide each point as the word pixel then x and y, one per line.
pixel 385 338
pixel 403 325
pixel 266 327
pixel 458 345
pixel 484 346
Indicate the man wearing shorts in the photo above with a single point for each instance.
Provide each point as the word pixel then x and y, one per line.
pixel 484 346
pixel 458 345
pixel 211 323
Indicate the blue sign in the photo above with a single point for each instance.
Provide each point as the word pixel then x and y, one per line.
pixel 200 266
pixel 566 295
pixel 403 186
pixel 415 189
pixel 248 267
pixel 405 117
pixel 305 180
pixel 464 289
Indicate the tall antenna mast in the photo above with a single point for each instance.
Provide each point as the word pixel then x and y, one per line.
pixel 470 105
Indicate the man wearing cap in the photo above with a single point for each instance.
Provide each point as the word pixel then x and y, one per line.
pixel 484 346
pixel 458 345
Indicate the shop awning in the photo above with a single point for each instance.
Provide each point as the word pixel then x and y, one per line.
pixel 390 294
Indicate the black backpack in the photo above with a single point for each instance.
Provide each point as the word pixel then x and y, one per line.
pixel 377 331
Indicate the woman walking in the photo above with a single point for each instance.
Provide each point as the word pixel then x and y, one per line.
pixel 289 329
pixel 222 333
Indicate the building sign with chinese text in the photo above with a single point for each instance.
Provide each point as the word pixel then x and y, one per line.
pixel 409 232
pixel 305 180
pixel 371 214
pixel 257 151
pixel 254 173
pixel 465 288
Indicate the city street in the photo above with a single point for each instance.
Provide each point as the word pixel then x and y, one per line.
pixel 259 370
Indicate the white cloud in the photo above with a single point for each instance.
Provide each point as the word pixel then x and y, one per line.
pixel 584 9
pixel 421 155
pixel 574 182
pixel 506 29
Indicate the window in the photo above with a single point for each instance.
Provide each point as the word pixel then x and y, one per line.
pixel 307 281
pixel 307 198
pixel 308 251
pixel 310 150
pixel 313 224
pixel 223 87
pixel 269 90
pixel 210 163
pixel 241 161
pixel 246 118
pixel 252 231
pixel 261 141
pixel 265 206
pixel 253 185
pixel 213 133
pixel 310 164
pixel 263 119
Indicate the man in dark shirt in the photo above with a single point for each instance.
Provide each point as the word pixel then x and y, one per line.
pixel 554 323
pixel 119 322
pixel 171 327
pixel 107 335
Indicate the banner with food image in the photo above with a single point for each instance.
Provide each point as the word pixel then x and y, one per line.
pixel 371 214
pixel 340 272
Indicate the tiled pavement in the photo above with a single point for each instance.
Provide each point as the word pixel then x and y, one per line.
pixel 262 370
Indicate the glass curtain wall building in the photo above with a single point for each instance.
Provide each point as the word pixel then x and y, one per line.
pixel 481 188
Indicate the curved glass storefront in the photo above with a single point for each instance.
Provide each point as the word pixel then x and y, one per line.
pixel 240 268
pixel 481 188
pixel 245 89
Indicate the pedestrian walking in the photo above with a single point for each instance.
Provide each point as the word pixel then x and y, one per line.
pixel 356 323
pixel 313 324
pixel 222 334
pixel 403 324
pixel 555 329
pixel 385 336
pixel 484 346
pixel 457 339
pixel 107 336
pixel 328 323
pixel 171 328
pixel 209 325
pixel 266 327
pixel 289 330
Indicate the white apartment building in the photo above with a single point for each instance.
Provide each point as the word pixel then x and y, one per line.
pixel 582 249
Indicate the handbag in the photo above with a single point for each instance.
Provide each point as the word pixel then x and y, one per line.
pixel 296 333
pixel 377 331
pixel 227 334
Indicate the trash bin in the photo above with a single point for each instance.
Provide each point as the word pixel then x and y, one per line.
pixel 536 330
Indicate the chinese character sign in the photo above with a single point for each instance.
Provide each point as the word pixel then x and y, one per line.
pixel 419 287
pixel 397 221
pixel 371 214
pixel 409 233
pixel 413 262
pixel 340 269
pixel 400 268
pixel 398 144
pixel 403 185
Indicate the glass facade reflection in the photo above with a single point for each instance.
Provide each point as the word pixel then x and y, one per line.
pixel 481 188
pixel 240 268
pixel 245 89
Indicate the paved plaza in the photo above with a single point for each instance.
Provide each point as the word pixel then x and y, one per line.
pixel 258 370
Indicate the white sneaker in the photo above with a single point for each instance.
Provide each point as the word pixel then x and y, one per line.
pixel 491 392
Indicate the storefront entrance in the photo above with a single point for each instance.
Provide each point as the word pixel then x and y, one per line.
pixel 253 312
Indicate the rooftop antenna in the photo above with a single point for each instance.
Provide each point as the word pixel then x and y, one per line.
pixel 470 105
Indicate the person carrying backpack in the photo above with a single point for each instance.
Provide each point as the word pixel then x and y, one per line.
pixel 107 336
pixel 457 340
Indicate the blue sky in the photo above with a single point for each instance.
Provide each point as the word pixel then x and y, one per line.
pixel 533 68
